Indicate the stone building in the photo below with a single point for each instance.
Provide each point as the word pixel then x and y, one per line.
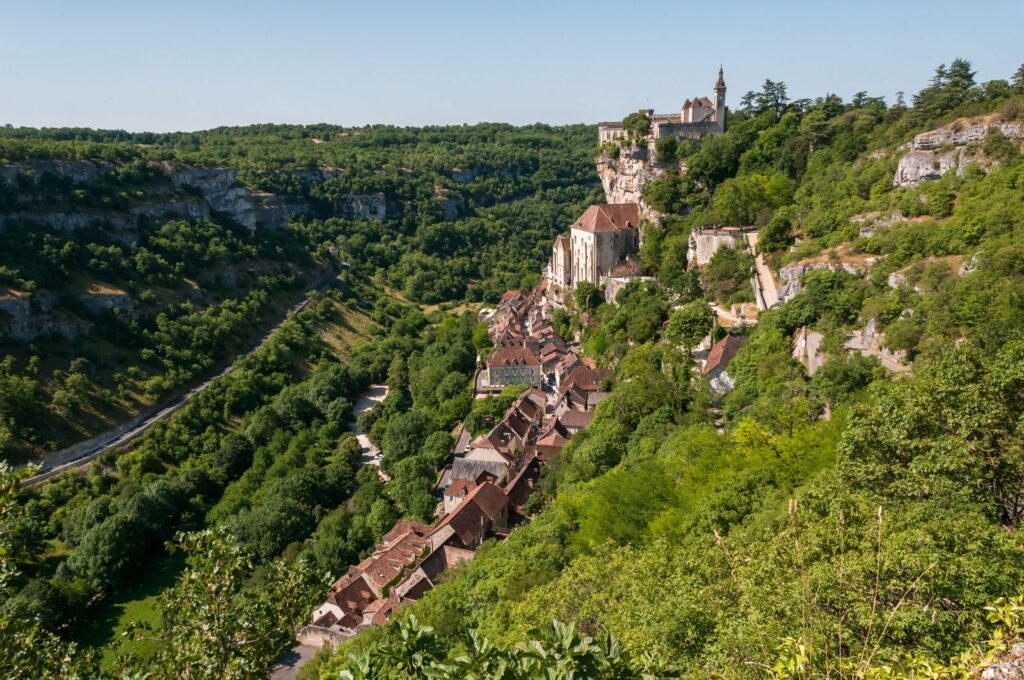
pixel 602 243
pixel 513 366
pixel 696 118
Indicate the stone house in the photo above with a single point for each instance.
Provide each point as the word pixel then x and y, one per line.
pixel 718 360
pixel 513 366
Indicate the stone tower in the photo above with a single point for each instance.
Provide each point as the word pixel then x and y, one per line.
pixel 720 101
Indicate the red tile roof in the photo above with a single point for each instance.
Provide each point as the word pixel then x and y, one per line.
pixel 609 217
pixel 723 352
pixel 460 487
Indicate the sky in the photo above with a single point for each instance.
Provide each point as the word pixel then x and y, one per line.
pixel 194 64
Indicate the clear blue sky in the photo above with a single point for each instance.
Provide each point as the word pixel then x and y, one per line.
pixel 190 64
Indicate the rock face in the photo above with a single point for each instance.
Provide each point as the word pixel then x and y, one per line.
pixel 219 188
pixel 623 178
pixel 76 171
pixel 363 206
pixel 99 302
pixel 931 154
pixel 791 276
pixel 24 317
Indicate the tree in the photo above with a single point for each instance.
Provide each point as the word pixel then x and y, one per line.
pixel 404 435
pixel 690 323
pixel 1018 80
pixel 27 650
pixel 214 625
pixel 587 295
pixel 637 127
pixel 777 235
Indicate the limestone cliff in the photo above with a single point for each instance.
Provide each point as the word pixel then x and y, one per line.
pixel 624 177
pixel 931 154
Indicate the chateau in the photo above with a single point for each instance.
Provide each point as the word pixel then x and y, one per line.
pixel 698 117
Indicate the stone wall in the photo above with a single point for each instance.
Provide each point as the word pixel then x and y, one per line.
pixel 704 243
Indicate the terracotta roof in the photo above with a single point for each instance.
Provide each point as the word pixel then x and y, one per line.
pixel 512 295
pixel 562 241
pixel 513 356
pixel 720 83
pixel 584 378
pixel 460 487
pixel 723 352
pixel 609 217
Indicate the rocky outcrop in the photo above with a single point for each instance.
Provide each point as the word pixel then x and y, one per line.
pixel 623 178
pixel 363 206
pixel 35 170
pixel 62 221
pixel 100 302
pixel 791 276
pixel 186 209
pixel 26 317
pixel 931 154
pixel 451 208
pixel 219 188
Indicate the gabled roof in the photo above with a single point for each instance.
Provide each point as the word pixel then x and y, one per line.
pixel 466 468
pixel 723 352
pixel 512 295
pixel 576 419
pixel 476 513
pixel 513 356
pixel 460 487
pixel 609 217
pixel 584 378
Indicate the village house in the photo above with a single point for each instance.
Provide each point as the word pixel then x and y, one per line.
pixel 697 117
pixel 718 360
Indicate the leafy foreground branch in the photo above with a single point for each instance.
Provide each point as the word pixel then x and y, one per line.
pixel 558 651
pixel 216 622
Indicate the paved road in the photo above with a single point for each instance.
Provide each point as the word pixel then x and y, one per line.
pixel 59 461
pixel 291 661
pixel 371 454
pixel 769 294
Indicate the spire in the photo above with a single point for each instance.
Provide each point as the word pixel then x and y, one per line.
pixel 720 84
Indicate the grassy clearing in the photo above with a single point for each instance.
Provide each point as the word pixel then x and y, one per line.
pixel 135 602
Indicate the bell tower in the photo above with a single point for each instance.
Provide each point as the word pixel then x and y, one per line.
pixel 720 101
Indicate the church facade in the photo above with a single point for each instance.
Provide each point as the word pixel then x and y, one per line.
pixel 697 117
pixel 602 243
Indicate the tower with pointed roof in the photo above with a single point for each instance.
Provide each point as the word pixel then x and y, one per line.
pixel 720 101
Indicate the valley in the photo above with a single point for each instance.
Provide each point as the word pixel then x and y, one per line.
pixel 733 392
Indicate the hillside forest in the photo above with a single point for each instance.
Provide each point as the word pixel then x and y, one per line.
pixel 860 523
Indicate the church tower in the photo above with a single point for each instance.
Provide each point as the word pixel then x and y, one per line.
pixel 720 101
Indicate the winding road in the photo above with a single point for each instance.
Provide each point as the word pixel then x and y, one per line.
pixel 70 458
